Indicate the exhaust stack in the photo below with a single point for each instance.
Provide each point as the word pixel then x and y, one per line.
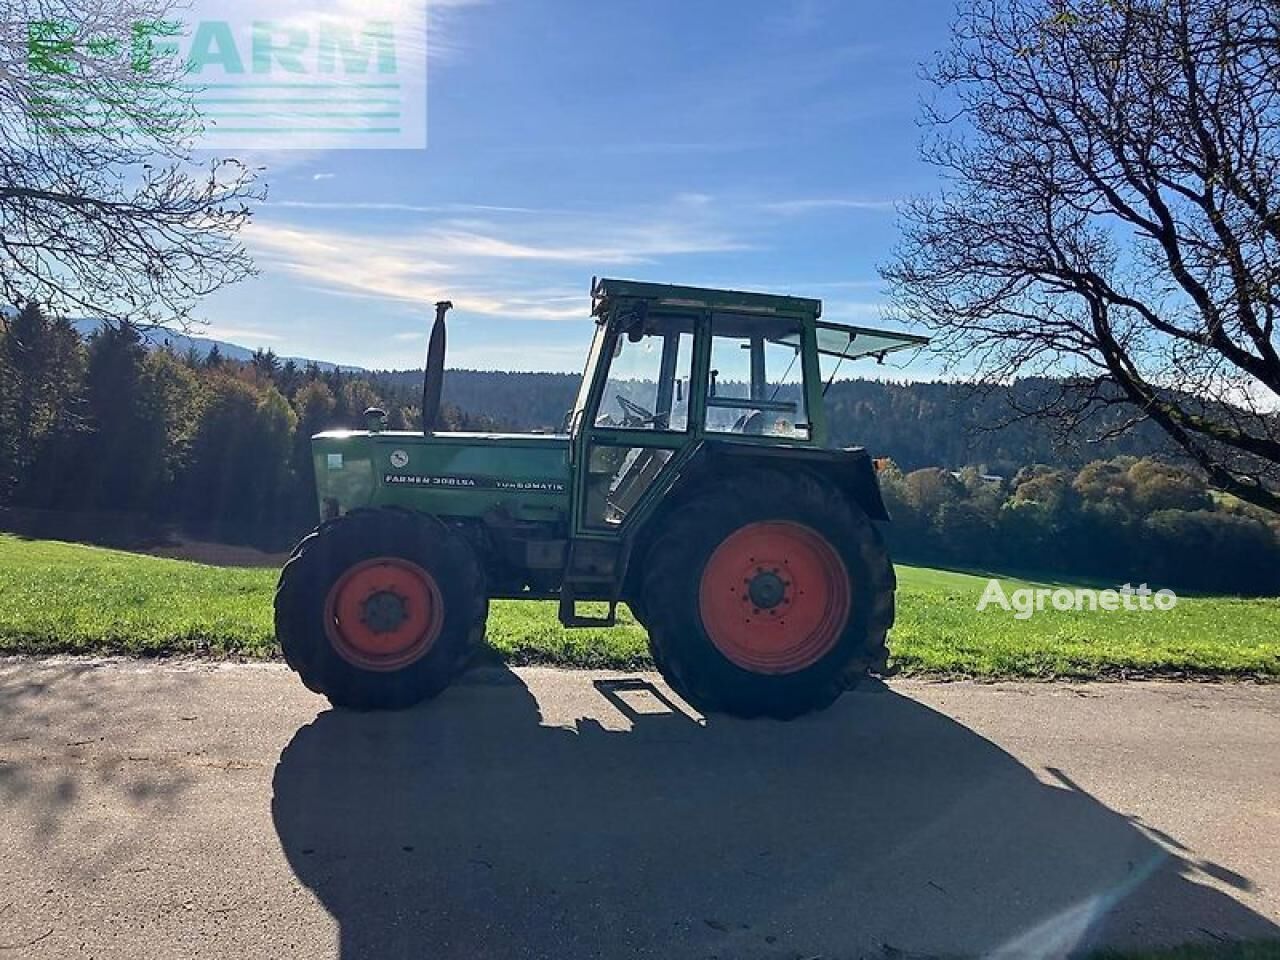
pixel 433 375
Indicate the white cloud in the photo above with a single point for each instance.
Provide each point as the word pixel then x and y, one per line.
pixel 821 204
pixel 629 148
pixel 854 310
pixel 482 264
pixel 356 13
pixel 377 207
pixel 323 176
pixel 847 284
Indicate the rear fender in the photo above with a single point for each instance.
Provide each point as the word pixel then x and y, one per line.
pixel 850 470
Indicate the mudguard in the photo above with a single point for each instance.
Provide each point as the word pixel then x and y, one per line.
pixel 850 469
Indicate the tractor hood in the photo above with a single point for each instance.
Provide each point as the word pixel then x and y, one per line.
pixel 452 474
pixel 541 440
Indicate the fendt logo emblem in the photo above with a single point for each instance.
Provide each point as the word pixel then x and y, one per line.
pixel 399 459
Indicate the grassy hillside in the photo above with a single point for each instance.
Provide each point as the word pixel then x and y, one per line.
pixel 63 598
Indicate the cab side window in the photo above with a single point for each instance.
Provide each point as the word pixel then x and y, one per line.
pixel 756 385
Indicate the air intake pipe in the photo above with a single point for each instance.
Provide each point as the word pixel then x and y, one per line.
pixel 433 375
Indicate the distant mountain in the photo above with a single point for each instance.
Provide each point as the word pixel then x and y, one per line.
pixel 181 343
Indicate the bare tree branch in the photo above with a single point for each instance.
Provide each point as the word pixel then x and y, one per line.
pixel 1111 215
pixel 102 209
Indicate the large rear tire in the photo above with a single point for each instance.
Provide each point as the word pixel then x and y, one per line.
pixel 767 595
pixel 380 609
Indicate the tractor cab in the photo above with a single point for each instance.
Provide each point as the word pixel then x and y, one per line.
pixel 674 368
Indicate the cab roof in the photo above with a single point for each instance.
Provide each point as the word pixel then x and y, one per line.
pixel 839 340
pixel 701 298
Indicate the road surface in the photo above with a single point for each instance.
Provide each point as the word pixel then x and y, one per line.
pixel 189 810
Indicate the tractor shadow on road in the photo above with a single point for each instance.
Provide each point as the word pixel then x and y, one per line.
pixel 477 826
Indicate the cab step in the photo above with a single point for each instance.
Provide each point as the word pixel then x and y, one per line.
pixel 570 618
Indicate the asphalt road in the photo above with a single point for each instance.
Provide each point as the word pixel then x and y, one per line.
pixel 222 811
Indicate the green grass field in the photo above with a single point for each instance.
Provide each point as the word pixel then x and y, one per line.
pixel 64 598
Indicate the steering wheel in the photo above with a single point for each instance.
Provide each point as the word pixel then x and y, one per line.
pixel 753 425
pixel 633 411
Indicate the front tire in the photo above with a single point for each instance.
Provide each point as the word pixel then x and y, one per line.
pixel 767 595
pixel 380 609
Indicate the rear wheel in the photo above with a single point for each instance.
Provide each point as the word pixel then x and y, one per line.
pixel 380 609
pixel 767 596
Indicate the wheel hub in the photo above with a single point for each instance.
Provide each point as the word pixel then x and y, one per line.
pixel 766 589
pixel 384 612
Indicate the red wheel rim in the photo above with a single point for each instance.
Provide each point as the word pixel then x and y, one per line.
pixel 774 597
pixel 384 614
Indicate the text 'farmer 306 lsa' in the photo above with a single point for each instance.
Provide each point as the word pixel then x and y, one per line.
pixel 695 484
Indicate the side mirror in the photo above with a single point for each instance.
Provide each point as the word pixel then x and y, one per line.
pixel 375 419
pixel 712 391
pixel 679 390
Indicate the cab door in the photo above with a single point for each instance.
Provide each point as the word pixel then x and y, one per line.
pixel 639 417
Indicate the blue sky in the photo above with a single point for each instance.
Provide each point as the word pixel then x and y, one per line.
pixel 757 145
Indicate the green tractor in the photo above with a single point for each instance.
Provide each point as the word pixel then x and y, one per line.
pixel 693 482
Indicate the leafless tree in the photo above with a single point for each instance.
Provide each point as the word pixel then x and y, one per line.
pixel 103 211
pixel 1110 213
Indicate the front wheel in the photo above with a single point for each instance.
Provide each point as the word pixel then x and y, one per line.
pixel 380 609
pixel 767 595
